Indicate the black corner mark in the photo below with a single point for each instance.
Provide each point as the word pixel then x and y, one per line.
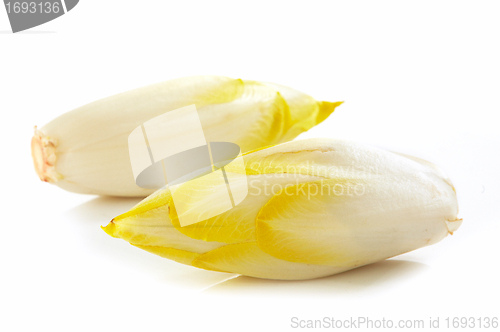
pixel 26 14
pixel 70 4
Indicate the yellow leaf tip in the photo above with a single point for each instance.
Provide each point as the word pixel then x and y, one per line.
pixel 110 228
pixel 325 109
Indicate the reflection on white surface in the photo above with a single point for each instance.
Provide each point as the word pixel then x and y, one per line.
pixel 366 278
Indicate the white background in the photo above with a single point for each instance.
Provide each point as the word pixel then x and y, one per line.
pixel 420 77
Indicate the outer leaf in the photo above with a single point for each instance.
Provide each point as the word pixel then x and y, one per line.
pixel 237 224
pixel 401 205
pixel 249 260
pixel 148 225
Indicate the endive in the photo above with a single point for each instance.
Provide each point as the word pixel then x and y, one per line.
pixel 85 150
pixel 314 208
